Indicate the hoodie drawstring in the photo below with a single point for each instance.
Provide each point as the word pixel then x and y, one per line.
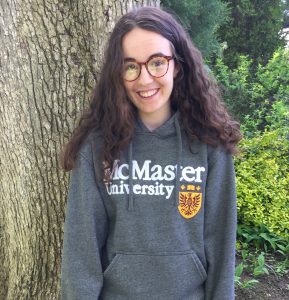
pixel 179 160
pixel 130 198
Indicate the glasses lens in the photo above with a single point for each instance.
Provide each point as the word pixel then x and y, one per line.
pixel 131 70
pixel 158 66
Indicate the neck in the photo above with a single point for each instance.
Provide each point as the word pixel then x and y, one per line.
pixel 155 120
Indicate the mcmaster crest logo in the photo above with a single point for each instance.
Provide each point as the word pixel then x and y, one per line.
pixel 190 202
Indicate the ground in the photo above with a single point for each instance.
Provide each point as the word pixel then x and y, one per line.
pixel 269 287
pixel 272 286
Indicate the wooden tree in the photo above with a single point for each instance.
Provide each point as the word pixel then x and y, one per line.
pixel 50 55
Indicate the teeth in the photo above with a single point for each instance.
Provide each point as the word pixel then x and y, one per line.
pixel 148 93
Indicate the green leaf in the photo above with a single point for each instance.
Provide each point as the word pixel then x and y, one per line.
pixel 258 271
pixel 239 270
pixel 266 237
pixel 250 283
pixel 261 260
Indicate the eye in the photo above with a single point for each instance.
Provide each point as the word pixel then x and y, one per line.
pixel 130 67
pixel 157 62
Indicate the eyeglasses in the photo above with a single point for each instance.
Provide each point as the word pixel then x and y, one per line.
pixel 157 66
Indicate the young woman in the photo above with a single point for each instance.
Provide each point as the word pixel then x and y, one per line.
pixel 151 211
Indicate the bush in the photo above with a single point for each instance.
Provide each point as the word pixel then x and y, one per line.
pixel 236 87
pixel 262 174
pixel 258 100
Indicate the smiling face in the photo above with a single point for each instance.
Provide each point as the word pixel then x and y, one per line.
pixel 149 94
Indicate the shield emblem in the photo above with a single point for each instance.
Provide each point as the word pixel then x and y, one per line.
pixel 189 204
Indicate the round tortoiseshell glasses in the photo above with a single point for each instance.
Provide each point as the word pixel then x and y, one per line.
pixel 157 66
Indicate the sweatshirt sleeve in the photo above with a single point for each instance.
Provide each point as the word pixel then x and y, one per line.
pixel 220 227
pixel 84 235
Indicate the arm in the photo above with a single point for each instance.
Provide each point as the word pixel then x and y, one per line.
pixel 220 227
pixel 84 236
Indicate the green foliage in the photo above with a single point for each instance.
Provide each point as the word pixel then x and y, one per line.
pixel 262 175
pixel 243 283
pixel 262 239
pixel 251 244
pixel 260 267
pixel 236 87
pixel 201 19
pixel 253 30
pixel 282 267
pixel 259 101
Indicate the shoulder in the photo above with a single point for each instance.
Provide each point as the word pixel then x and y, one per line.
pixel 91 145
pixel 221 160
pixel 217 152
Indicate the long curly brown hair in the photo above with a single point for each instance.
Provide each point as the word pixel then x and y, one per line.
pixel 195 94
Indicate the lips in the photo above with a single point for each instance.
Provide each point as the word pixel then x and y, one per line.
pixel 147 94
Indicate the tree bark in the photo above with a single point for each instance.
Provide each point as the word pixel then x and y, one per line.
pixel 50 56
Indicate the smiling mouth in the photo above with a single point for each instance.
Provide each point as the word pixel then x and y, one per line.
pixel 146 94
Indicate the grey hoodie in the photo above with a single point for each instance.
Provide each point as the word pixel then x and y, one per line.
pixel 162 228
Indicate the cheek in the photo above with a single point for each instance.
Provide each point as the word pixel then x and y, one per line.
pixel 168 82
pixel 128 86
pixel 127 89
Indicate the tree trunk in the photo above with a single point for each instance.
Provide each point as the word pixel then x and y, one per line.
pixel 50 55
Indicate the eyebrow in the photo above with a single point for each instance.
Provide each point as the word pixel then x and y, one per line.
pixel 153 55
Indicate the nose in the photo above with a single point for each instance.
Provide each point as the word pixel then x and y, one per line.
pixel 145 77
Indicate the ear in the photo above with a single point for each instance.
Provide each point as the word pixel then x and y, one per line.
pixel 176 70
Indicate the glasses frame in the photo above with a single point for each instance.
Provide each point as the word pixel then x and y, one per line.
pixel 167 57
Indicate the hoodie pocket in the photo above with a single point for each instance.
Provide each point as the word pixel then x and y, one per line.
pixel 177 275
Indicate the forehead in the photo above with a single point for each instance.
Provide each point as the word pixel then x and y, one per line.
pixel 140 44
